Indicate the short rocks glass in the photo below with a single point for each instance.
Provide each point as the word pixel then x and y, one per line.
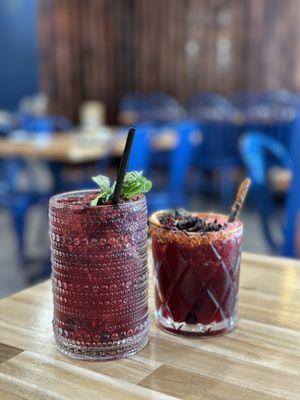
pixel 196 278
pixel 99 276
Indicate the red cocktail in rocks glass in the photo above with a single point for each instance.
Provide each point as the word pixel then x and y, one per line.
pixel 99 276
pixel 196 275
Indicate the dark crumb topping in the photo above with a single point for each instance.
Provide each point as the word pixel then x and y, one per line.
pixel 184 221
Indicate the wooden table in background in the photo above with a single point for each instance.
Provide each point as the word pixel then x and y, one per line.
pixel 61 148
pixel 259 360
pixel 75 148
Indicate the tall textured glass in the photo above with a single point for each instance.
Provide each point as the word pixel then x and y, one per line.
pixel 99 276
pixel 196 278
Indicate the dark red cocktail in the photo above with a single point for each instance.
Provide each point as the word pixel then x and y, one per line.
pixel 196 276
pixel 99 276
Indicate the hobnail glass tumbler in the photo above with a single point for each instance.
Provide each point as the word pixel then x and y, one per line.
pixel 99 276
pixel 196 278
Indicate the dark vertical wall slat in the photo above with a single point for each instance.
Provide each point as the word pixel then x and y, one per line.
pixel 103 49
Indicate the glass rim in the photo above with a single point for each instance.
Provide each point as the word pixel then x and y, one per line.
pixel 238 225
pixel 54 201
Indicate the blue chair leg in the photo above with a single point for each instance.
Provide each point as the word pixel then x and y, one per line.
pixel 19 211
pixel 268 211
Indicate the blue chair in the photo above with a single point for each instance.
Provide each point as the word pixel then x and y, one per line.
pixel 154 107
pixel 164 108
pixel 38 124
pixel 211 107
pixel 18 201
pixel 208 99
pixel 48 123
pixel 141 150
pixel 182 158
pixel 281 130
pixel 283 106
pixel 132 107
pixel 174 192
pixel 272 113
pixel 293 200
pixel 219 152
pixel 259 153
pixel 281 97
pixel 15 204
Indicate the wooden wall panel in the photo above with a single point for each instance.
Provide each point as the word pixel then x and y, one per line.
pixel 103 49
pixel 272 43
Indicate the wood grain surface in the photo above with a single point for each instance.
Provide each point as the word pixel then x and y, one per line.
pixel 259 360
pixel 104 49
pixel 7 352
pixel 77 148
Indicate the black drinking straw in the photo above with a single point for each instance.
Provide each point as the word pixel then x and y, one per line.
pixel 123 166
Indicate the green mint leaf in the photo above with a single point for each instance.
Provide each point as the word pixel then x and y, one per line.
pixel 102 181
pixel 147 186
pixel 94 202
pixel 134 184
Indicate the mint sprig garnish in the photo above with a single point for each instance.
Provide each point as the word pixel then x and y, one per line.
pixel 134 184
pixel 102 181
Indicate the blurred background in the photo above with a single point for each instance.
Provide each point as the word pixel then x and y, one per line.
pixel 212 87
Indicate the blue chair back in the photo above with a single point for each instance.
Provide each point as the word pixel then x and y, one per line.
pixel 272 113
pixel 143 156
pixel 293 200
pixel 244 99
pixel 208 99
pixel 183 155
pixel 32 123
pixel 220 144
pixel 140 155
pixel 164 108
pixel 17 200
pixel 281 97
pixel 154 107
pixel 210 107
pixel 49 123
pixel 174 193
pixel 256 149
pixel 135 103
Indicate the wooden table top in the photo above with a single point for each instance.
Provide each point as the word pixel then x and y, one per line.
pixel 71 148
pixel 75 148
pixel 259 360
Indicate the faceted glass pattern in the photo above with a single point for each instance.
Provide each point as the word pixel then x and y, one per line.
pixel 196 279
pixel 99 276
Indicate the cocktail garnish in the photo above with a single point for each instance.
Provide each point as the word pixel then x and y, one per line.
pixel 127 185
pixel 134 184
pixel 182 220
